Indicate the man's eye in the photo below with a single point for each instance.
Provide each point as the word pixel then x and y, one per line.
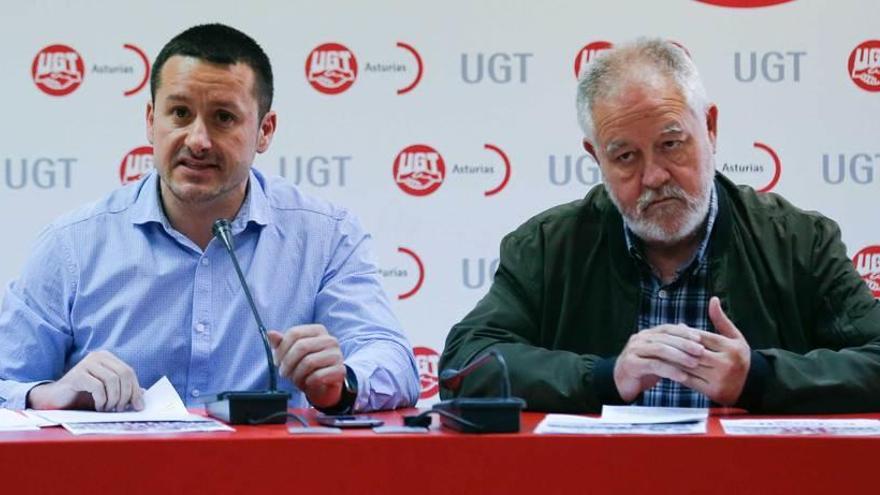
pixel 626 157
pixel 673 144
pixel 180 112
pixel 225 117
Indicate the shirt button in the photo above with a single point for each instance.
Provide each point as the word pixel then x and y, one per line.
pixel 662 294
pixel 195 392
pixel 200 327
pixel 205 261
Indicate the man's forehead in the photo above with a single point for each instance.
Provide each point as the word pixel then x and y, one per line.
pixel 180 72
pixel 670 128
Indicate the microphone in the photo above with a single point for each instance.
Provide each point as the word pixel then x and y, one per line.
pixel 480 414
pixel 247 407
pixel 451 378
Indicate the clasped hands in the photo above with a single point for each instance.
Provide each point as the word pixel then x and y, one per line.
pixel 307 355
pixel 715 364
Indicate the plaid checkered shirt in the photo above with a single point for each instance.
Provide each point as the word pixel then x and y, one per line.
pixel 684 300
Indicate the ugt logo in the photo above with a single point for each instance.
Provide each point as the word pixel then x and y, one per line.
pixel 58 70
pixel 427 360
pixel 744 4
pixel 331 68
pixel 587 54
pixel 419 170
pixel 867 263
pixel 864 65
pixel 137 163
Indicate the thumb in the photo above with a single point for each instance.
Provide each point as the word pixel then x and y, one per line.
pixel 721 322
pixel 275 338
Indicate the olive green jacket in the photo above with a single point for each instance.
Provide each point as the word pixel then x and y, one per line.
pixel 565 299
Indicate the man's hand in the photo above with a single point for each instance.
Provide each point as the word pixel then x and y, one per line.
pixel 725 364
pixel 665 351
pixel 310 357
pixel 101 381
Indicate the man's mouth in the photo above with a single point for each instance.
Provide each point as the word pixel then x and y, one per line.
pixel 197 165
pixel 659 202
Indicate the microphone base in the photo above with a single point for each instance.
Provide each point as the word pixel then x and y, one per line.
pixel 245 408
pixel 485 415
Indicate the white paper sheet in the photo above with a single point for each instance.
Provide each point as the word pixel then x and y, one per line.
pixel 146 427
pixel 37 419
pixel 11 420
pixel 161 403
pixel 847 427
pixel 579 425
pixel 640 415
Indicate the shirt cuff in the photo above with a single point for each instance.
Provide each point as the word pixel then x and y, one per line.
pixel 603 382
pixel 752 396
pixel 14 394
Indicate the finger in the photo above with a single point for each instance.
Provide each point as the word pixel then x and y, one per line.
pixel 292 336
pixel 275 337
pixel 127 382
pixel 682 331
pixel 84 400
pixel 137 399
pixel 275 340
pixel 662 369
pixel 327 358
pixel 86 382
pixel 712 364
pixel 304 331
pixel 302 348
pixel 684 345
pixel 716 343
pixel 663 352
pixel 721 322
pixel 325 377
pixel 699 383
pixel 110 382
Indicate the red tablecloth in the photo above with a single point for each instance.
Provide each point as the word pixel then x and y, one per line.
pixel 268 460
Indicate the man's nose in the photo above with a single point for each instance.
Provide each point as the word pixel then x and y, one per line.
pixel 655 174
pixel 198 139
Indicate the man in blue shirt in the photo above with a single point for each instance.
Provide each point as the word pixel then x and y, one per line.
pixel 133 287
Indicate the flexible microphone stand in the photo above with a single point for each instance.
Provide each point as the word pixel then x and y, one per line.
pixel 248 407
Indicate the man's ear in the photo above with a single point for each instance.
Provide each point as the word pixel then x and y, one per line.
pixel 712 124
pixel 267 130
pixel 150 122
pixel 588 147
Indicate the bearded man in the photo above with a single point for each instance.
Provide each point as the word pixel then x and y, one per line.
pixel 668 285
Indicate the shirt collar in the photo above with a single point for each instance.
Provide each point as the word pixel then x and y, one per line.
pixel 147 205
pixel 633 243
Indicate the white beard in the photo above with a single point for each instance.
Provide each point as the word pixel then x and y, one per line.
pixel 688 221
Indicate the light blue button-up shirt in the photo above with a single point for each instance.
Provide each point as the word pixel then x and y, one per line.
pixel 115 275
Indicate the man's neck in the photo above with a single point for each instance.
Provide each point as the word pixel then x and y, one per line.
pixel 195 220
pixel 667 259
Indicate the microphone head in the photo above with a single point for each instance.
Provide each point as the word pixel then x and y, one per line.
pixel 222 231
pixel 220 227
pixel 450 379
pixel 448 374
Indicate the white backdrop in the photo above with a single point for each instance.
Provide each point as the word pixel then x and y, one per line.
pixel 497 82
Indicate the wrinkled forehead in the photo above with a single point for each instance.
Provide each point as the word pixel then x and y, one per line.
pixel 671 127
pixel 643 109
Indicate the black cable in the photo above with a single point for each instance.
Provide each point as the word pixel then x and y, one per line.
pixel 279 414
pixel 424 419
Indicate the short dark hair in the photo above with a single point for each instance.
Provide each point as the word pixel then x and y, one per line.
pixel 219 44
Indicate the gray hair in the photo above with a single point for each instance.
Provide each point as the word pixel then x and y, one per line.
pixel 644 59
